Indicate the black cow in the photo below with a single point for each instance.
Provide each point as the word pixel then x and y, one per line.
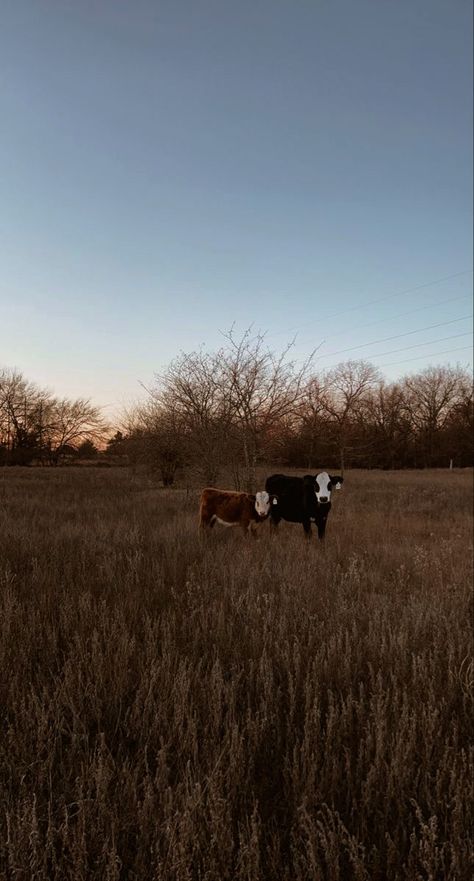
pixel 302 499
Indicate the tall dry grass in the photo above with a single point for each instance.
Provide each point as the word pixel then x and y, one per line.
pixel 233 709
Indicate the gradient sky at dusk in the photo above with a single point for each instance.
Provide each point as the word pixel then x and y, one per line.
pixel 168 168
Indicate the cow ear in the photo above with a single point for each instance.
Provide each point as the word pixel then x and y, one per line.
pixel 336 481
pixel 309 478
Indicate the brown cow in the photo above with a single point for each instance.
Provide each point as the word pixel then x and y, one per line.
pixel 233 508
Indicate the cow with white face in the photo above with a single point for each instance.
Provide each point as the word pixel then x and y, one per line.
pixel 262 504
pixel 323 486
pixel 234 508
pixel 303 500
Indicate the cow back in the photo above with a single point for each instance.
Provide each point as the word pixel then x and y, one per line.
pixel 296 499
pixel 227 504
pixel 281 484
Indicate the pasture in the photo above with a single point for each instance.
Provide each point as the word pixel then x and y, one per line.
pixel 226 709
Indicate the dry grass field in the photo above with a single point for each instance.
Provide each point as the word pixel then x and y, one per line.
pixel 227 709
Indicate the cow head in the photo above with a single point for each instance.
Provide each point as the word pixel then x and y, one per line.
pixel 263 502
pixel 323 485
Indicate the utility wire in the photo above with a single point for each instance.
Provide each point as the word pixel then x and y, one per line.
pixel 404 293
pixel 431 355
pixel 396 336
pixel 401 315
pixel 416 346
pixel 442 339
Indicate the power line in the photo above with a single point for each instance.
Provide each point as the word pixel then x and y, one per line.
pixel 405 293
pixel 431 355
pixel 396 336
pixel 403 314
pixel 442 339
pixel 379 300
pixel 416 346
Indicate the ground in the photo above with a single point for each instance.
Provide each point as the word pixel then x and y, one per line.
pixel 175 707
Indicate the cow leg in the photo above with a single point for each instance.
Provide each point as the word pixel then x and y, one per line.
pixel 206 523
pixel 250 528
pixel 274 521
pixel 307 528
pixel 321 524
pixel 247 527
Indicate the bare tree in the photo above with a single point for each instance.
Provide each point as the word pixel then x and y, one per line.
pixel 459 428
pixel 191 391
pixel 312 417
pixel 262 389
pixel 430 398
pixel 230 403
pixel 386 422
pixel 21 406
pixel 155 437
pixel 69 423
pixel 345 390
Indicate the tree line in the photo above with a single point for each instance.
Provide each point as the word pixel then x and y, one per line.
pixel 231 409
pixel 241 405
pixel 36 426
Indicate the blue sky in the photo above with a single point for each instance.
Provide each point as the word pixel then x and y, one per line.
pixel 169 168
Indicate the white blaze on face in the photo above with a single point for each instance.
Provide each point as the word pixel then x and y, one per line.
pixel 322 487
pixel 262 504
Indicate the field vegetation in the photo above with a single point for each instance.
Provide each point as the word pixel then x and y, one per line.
pixel 176 708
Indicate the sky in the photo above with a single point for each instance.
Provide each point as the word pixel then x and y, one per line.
pixel 169 168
